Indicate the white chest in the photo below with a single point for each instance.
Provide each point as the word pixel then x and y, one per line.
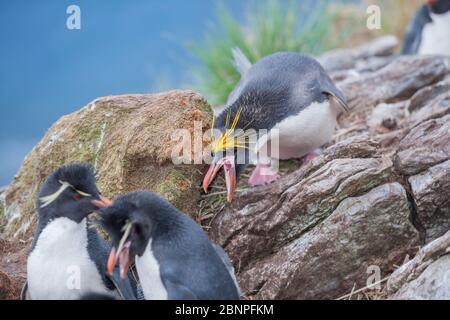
pixel 59 266
pixel 307 130
pixel 436 35
pixel 149 275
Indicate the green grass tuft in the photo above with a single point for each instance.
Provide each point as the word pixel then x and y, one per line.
pixel 269 26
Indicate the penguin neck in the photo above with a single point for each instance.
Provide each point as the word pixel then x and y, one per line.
pixel 59 232
pixel 51 220
pixel 61 252
pixel 439 16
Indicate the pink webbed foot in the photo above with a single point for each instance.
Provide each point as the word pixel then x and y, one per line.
pixel 311 156
pixel 263 174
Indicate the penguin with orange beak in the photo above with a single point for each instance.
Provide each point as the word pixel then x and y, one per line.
pixel 174 258
pixel 68 257
pixel 285 106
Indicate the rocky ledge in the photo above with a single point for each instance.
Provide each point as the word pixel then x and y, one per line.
pixel 371 200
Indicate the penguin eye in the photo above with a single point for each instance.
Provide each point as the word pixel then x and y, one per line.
pixel 77 197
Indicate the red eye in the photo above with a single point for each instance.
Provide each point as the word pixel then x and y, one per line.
pixel 77 197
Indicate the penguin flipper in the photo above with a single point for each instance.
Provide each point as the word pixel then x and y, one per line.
pixel 223 256
pixel 123 286
pixel 176 291
pixel 413 34
pixel 226 260
pixel 240 61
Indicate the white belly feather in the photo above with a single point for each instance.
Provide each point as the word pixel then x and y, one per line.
pixel 436 35
pixel 306 131
pixel 149 275
pixel 59 267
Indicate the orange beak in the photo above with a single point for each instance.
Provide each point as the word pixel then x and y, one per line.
pixel 102 203
pixel 112 260
pixel 230 175
pixel 123 256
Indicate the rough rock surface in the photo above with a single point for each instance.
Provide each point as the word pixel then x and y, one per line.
pixel 360 58
pixel 378 192
pixel 375 219
pixel 13 257
pixel 427 276
pixel 128 139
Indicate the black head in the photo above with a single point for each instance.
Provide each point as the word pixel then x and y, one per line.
pixel 70 192
pixel 439 6
pixel 130 223
pixel 233 138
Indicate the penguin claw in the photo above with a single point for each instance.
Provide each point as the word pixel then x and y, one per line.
pixel 263 174
pixel 309 157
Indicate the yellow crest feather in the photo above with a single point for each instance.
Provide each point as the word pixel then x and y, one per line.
pixel 228 139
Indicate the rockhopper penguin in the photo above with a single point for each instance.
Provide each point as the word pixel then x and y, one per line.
pixel 174 258
pixel 287 91
pixel 68 257
pixel 429 30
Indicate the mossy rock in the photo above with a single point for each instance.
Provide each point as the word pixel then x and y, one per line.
pixel 129 139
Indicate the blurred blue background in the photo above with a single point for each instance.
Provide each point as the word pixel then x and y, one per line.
pixel 47 70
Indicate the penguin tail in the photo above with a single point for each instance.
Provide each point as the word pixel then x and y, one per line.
pixel 240 61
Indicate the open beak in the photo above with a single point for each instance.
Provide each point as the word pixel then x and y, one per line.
pixel 229 167
pixel 102 203
pixel 122 254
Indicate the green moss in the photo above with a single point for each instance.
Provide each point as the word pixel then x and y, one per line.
pixel 268 26
pixel 288 166
pixel 175 185
pixel 86 154
pixel 28 178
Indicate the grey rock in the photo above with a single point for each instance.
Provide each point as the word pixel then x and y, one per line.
pixel 397 81
pixel 426 276
pixel 431 194
pixel 386 117
pixel 425 145
pixel 432 284
pixel 325 262
pixel 340 59
pixel 423 96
